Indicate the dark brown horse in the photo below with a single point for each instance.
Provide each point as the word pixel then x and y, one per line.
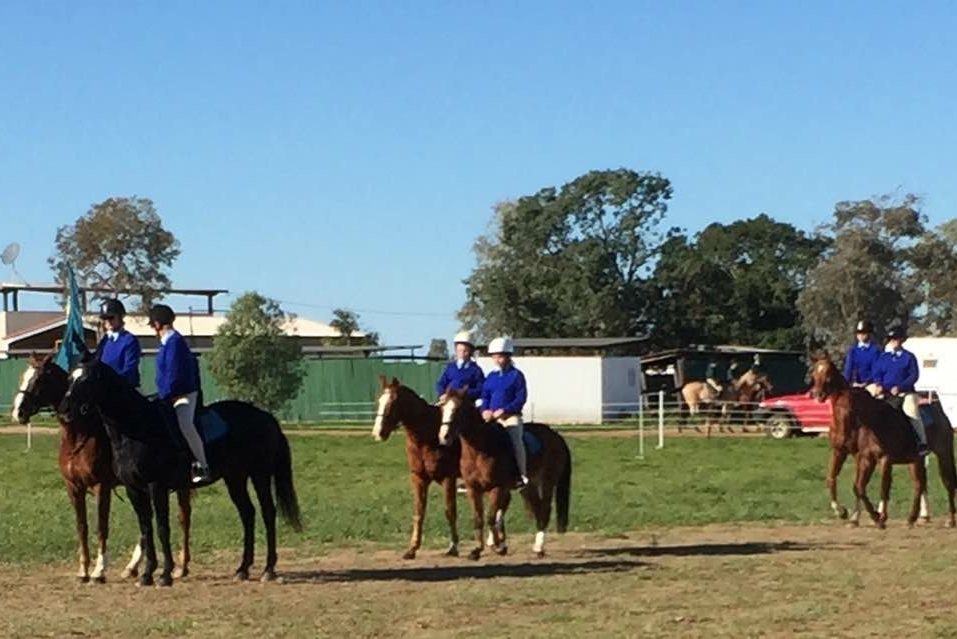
pixel 878 436
pixel 86 464
pixel 488 466
pixel 428 461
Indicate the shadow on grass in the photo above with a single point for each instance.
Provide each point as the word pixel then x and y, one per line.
pixel 712 550
pixel 431 574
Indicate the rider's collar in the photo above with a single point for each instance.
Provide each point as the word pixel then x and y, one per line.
pixel 165 336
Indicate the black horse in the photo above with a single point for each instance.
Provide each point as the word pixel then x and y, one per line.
pixel 151 459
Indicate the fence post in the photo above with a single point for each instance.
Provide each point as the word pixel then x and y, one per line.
pixel 661 419
pixel 641 426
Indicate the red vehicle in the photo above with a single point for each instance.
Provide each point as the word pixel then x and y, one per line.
pixel 789 415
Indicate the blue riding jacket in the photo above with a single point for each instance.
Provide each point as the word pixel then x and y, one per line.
pixel 898 368
pixel 177 371
pixel 121 352
pixel 505 389
pixel 860 365
pixel 460 375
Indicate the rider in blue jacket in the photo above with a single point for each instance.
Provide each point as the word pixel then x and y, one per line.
pixel 896 374
pixel 503 396
pixel 463 371
pixel 177 380
pixel 119 349
pixel 861 362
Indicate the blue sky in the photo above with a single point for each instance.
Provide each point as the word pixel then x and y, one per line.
pixel 348 154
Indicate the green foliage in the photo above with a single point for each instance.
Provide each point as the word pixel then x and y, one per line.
pixel 439 349
pixel 346 323
pixel 119 244
pixel 734 283
pixel 570 261
pixel 252 357
pixel 884 265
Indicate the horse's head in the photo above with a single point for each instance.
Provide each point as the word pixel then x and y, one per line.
pixel 42 385
pixel 825 378
pixel 386 419
pixel 450 403
pixel 85 391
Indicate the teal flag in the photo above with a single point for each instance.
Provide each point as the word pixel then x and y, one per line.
pixel 73 345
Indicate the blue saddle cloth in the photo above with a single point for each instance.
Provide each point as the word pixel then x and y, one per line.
pixel 533 445
pixel 209 424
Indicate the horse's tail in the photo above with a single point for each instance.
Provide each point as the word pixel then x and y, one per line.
pixel 563 490
pixel 286 499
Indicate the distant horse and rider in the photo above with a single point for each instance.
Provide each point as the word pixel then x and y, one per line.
pixel 721 402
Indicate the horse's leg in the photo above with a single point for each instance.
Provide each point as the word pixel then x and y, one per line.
pixel 451 515
pixel 886 477
pixel 267 508
pixel 919 474
pixel 478 506
pixel 543 517
pixel 133 568
pixel 943 436
pixel 185 519
pixel 247 514
pixel 864 471
pixel 498 500
pixel 833 470
pixel 144 513
pixel 78 499
pixel 420 492
pixel 160 497
pixel 103 497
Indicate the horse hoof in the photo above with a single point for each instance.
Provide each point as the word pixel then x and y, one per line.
pixel 881 524
pixel 180 572
pixel 241 575
pixel 409 554
pixel 540 554
pixel 502 550
pixel 83 579
pixel 925 519
pixel 165 581
pixel 475 554
pixel 910 524
pixel 144 581
pixel 100 580
pixel 842 513
pixel 267 576
pixel 130 573
pixel 951 523
pixel 452 552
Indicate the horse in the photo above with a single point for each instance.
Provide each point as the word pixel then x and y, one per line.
pixel 701 398
pixel 86 464
pixel 879 435
pixel 749 389
pixel 150 460
pixel 488 466
pixel 428 461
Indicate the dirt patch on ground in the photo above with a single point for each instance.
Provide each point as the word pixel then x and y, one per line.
pixel 728 580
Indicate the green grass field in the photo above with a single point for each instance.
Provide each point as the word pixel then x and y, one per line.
pixel 722 537
pixel 353 490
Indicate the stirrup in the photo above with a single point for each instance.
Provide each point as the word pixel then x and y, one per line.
pixel 923 450
pixel 200 473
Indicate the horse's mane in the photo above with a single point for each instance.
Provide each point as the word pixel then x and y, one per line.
pixel 135 410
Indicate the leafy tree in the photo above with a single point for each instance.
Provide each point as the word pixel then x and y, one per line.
pixel 572 260
pixel 734 283
pixel 119 244
pixel 868 271
pixel 252 358
pixel 346 323
pixel 439 349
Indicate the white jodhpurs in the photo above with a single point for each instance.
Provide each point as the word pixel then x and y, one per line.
pixel 185 408
pixel 912 409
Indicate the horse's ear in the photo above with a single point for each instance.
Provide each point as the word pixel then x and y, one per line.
pixel 395 382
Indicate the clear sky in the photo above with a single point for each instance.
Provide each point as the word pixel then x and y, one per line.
pixel 349 153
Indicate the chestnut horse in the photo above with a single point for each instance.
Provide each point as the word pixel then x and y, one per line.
pixel 488 466
pixel 428 462
pixel 879 435
pixel 86 464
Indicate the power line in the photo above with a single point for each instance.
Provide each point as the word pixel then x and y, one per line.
pixel 367 311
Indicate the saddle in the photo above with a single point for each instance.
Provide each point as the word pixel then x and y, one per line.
pixel 209 424
pixel 925 410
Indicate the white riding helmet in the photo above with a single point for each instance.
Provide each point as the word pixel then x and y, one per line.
pixel 501 345
pixel 463 337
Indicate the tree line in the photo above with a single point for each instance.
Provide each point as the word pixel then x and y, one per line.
pixel 596 257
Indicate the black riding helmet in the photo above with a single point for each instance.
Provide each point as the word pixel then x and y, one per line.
pixel 897 333
pixel 163 314
pixel 112 308
pixel 864 326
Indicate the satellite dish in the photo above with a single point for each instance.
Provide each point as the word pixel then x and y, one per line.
pixel 9 257
pixel 11 253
